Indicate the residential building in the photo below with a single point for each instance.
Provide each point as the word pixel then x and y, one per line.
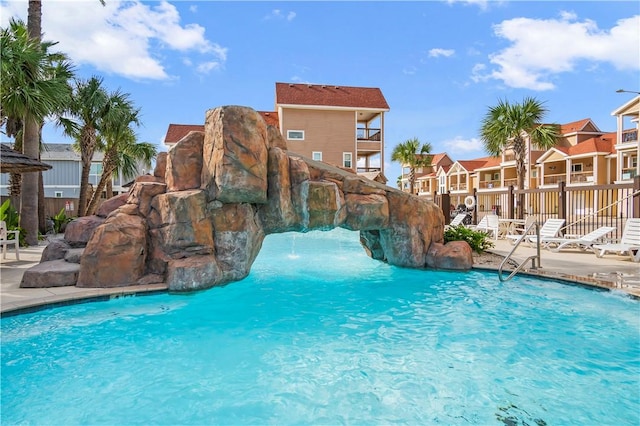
pixel 627 145
pixel 339 125
pixel 426 176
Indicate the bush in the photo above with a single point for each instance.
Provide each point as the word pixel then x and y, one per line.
pixel 478 240
pixel 60 220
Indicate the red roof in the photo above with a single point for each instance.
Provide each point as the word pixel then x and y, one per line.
pixel 330 95
pixel 175 132
pixel 574 126
pixel 601 144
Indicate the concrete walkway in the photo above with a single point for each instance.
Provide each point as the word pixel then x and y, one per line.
pixel 611 272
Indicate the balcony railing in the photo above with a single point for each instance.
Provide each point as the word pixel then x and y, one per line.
pixel 629 136
pixel 554 179
pixel 580 177
pixel 367 169
pixel 368 134
pixel 510 182
pixel 628 173
pixel 489 184
pixel 458 187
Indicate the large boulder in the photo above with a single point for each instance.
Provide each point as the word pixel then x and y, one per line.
pixel 79 231
pixel 235 155
pixel 184 163
pixel 52 273
pixel 193 273
pixel 115 255
pixel 455 255
pixel 111 204
pixel 278 214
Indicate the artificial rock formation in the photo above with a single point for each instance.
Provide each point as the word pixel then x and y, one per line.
pixel 200 219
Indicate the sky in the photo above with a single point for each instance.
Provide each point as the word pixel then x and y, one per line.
pixel 439 64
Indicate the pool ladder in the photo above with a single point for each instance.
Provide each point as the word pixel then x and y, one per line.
pixel 531 258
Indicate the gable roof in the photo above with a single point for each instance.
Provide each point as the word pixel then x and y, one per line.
pixel 330 95
pixel 175 132
pixel 601 144
pixel 584 125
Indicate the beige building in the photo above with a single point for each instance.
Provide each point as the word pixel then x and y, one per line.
pixel 340 125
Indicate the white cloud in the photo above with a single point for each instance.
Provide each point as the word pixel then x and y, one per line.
pixel 460 145
pixel 543 48
pixel 481 3
pixel 126 38
pixel 278 14
pixel 434 53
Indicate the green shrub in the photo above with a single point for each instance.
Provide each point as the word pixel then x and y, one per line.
pixel 478 240
pixel 60 220
pixel 11 217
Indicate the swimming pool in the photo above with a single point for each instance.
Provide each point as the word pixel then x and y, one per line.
pixel 321 334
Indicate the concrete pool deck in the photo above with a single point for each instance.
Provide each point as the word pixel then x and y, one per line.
pixel 611 272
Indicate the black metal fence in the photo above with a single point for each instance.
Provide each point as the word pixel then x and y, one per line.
pixel 584 208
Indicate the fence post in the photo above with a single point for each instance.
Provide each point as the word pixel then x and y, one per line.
pixel 475 206
pixel 511 203
pixel 562 200
pixel 445 205
pixel 636 198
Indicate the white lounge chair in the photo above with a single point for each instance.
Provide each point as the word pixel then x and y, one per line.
pixel 549 229
pixel 5 241
pixel 583 243
pixel 456 221
pixel 490 224
pixel 629 242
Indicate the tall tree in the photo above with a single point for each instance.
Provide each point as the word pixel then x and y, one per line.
pixel 512 126
pixel 412 154
pixel 34 85
pixel 122 152
pixel 89 106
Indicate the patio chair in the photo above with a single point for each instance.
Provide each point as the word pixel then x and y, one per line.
pixel 456 221
pixel 549 229
pixel 629 242
pixel 490 224
pixel 5 241
pixel 583 243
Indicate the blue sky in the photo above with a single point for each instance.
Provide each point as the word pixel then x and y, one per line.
pixel 440 64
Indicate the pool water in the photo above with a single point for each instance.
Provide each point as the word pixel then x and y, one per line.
pixel 321 334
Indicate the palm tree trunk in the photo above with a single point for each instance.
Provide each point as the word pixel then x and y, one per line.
pixel 29 193
pixel 108 166
pixel 34 19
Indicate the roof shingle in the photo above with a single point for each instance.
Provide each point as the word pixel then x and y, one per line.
pixel 330 95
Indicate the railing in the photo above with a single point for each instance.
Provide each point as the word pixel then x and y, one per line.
pixel 368 134
pixel 578 177
pixel 368 169
pixel 489 184
pixel 629 136
pixel 458 187
pixel 554 179
pixel 530 258
pixel 629 173
pixel 509 182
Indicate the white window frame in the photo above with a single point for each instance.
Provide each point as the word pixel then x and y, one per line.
pixel 576 168
pixel 57 194
pixel 344 160
pixel 291 135
pixel 318 153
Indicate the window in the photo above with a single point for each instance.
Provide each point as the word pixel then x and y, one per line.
pixel 496 176
pixel 316 156
pixel 57 194
pixel 576 167
pixel 534 173
pixel 296 135
pixel 346 160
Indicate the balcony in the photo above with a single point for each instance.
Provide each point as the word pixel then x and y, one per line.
pixel 368 134
pixel 628 173
pixel 629 136
pixel 581 177
pixel 554 179
pixel 458 187
pixel 511 182
pixel 368 169
pixel 489 184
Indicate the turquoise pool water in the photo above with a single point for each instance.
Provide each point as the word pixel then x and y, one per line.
pixel 321 334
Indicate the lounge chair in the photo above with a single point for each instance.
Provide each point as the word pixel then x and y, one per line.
pixel 549 229
pixel 456 221
pixel 490 224
pixel 583 243
pixel 5 241
pixel 629 242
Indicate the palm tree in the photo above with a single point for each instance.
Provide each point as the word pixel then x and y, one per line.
pixel 121 151
pixel 511 126
pixel 90 105
pixel 33 85
pixel 413 155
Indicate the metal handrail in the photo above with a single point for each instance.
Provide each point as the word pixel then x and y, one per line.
pixel 595 214
pixel 532 258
